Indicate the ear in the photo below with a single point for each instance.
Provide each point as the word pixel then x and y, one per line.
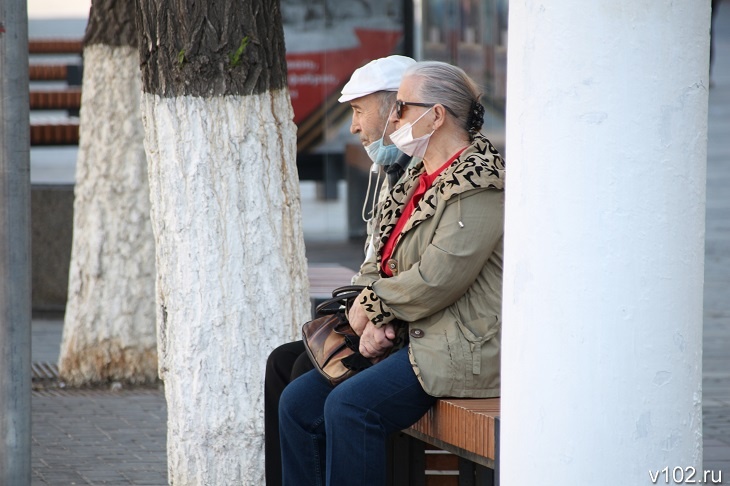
pixel 440 117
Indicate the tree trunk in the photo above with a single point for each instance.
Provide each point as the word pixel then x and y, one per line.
pixel 226 215
pixel 109 330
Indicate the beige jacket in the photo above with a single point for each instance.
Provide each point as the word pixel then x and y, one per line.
pixel 447 265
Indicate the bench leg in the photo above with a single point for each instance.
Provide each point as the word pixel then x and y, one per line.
pixel 472 474
pixel 484 476
pixel 74 77
pixel 406 461
pixel 466 473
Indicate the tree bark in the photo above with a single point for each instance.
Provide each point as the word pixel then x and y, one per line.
pixel 226 214
pixel 211 48
pixel 109 330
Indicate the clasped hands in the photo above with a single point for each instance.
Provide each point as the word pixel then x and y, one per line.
pixel 374 341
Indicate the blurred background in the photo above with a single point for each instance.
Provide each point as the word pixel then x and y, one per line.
pixel 326 40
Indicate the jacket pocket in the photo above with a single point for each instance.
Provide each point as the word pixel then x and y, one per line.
pixel 477 332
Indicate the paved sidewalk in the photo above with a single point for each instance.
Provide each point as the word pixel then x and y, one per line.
pixel 111 436
pixel 118 437
pixel 99 437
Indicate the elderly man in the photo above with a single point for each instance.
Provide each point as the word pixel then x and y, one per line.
pixel 371 93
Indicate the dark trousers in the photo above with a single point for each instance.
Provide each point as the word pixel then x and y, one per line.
pixel 338 436
pixel 285 363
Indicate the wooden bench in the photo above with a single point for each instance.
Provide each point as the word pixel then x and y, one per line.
pixel 324 278
pixel 468 428
pixel 465 427
pixel 56 131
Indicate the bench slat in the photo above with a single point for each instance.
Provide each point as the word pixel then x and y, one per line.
pixel 324 278
pixel 68 99
pixel 62 133
pixel 55 46
pixel 48 72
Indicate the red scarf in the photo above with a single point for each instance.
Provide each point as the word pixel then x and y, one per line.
pixel 425 181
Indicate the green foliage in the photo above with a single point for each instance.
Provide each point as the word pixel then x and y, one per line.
pixel 235 57
pixel 181 57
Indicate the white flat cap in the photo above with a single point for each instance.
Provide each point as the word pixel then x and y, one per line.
pixel 382 74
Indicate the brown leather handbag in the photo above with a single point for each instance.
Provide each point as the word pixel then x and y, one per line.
pixel 331 343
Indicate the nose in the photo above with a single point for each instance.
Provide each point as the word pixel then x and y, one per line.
pixel 355 126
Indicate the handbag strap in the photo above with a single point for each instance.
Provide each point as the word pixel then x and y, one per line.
pixel 340 297
pixel 347 289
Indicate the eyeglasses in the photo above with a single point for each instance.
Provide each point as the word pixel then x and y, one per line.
pixel 400 104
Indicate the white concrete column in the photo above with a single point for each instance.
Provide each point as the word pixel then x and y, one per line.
pixel 605 212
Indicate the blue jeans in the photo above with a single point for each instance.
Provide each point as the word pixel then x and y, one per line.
pixel 337 436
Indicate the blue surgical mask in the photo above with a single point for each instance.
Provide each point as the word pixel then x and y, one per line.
pixel 382 155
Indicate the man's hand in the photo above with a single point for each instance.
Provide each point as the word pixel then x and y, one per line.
pixel 375 341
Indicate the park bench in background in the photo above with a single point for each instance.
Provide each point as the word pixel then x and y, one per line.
pixel 55 131
pixel 324 278
pixel 55 72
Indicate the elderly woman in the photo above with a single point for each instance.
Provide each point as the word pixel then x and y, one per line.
pixel 433 296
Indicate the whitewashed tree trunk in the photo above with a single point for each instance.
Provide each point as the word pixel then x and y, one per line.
pixel 109 328
pixel 232 281
pixel 231 271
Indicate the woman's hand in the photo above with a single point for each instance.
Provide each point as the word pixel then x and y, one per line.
pixel 358 318
pixel 375 341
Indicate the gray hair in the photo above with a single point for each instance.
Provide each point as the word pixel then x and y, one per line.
pixel 450 86
pixel 387 100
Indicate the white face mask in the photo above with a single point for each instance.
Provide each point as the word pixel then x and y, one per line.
pixel 403 139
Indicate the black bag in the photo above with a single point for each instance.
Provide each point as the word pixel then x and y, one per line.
pixel 331 343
